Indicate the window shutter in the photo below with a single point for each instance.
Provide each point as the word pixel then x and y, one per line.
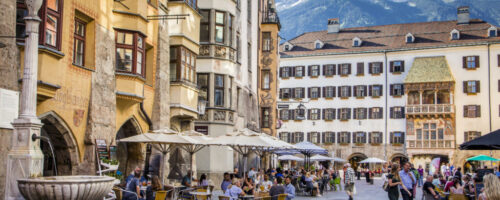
pixel 466 109
pixel 348 113
pixel 349 92
pixel 349 68
pixel 323 137
pixel 391 89
pixel 319 91
pixel 476 59
pixel 478 86
pixel 478 110
pixel 370 112
pixel 338 113
pixel 281 72
pixel 334 91
pixel 303 92
pixel 370 70
pixel 309 70
pixel 498 60
pixel 370 90
pixel 281 90
pixel 324 70
pixel 402 89
pixel 349 135
pixel 381 67
pixel 309 114
pixel 498 85
pixel 301 136
pixel 361 68
pixel 365 92
pixel 324 89
pixel 290 137
pixel 292 93
pixel 402 66
pixel 309 92
pixel 369 138
pixel 334 68
pixel 403 112
pixel 464 62
pixel 355 110
pixel 465 86
pixel 391 113
pixel 340 91
pixel 323 114
pixel 391 66
pixel 355 88
pixel 381 110
pixel 402 137
pixel 333 113
pixel 339 69
pixel 381 90
pixel 391 138
pixel 292 71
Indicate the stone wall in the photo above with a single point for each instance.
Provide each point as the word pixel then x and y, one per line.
pixel 101 122
pixel 161 105
pixel 9 73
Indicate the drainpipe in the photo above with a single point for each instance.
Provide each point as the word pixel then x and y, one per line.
pixel 489 85
pixel 386 99
pixel 148 147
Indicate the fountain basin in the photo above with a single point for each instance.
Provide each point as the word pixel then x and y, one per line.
pixel 66 187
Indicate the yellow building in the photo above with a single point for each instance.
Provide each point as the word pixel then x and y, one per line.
pixel 103 73
pixel 268 67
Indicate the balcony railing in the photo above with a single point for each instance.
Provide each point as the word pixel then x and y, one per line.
pixel 430 109
pixel 271 17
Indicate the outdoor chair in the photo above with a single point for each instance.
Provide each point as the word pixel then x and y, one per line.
pixel 282 196
pixel 457 197
pixel 161 195
pixel 118 193
pixel 224 198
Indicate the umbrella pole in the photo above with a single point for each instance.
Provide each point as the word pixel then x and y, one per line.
pixel 193 174
pixel 164 154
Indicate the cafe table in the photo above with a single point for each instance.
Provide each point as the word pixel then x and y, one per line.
pixel 201 194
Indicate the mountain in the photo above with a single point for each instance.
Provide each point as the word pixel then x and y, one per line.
pixel 299 16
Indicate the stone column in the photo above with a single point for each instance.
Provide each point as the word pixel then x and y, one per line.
pixel 420 93
pixel 435 97
pixel 25 159
pixel 451 98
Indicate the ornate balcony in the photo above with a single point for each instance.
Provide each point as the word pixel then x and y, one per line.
pixel 430 110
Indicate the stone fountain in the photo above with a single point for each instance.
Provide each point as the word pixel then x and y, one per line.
pixel 25 159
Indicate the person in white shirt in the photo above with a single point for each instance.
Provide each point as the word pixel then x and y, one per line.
pixel 252 174
pixel 266 183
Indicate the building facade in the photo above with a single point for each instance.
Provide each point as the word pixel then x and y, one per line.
pixel 103 75
pixel 227 78
pixel 404 91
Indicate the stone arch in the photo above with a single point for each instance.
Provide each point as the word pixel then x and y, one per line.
pixel 64 142
pixel 354 158
pixel 129 155
pixel 399 158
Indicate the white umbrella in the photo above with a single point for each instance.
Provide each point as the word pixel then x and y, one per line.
pixel 244 142
pixel 281 145
pixel 320 158
pixel 372 160
pixel 166 138
pixel 193 148
pixel 290 157
pixel 335 159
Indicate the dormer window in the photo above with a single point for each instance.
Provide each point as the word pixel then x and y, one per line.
pixel 318 44
pixel 288 46
pixel 410 38
pixel 492 32
pixel 356 42
pixel 455 34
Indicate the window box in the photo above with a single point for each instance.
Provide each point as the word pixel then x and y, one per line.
pixel 343 144
pixel 376 144
pixel 360 144
pixel 328 143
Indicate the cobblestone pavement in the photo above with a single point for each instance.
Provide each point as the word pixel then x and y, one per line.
pixel 364 190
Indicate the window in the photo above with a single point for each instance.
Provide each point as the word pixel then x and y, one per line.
pixel 360 69
pixel 238 48
pixel 470 62
pixel 285 114
pixel 318 45
pixel 375 90
pixel 249 10
pixel 409 39
pixel 285 93
pixel 285 72
pixel 328 70
pixel 470 135
pixel 344 137
pixel 360 90
pixel 492 32
pixel 266 79
pixel 471 87
pixel 249 59
pixel 314 114
pixel 397 138
pixel 298 137
pixel 375 68
pixel 397 66
pixel 397 90
pixel 314 92
pixel 472 111
pixel 299 93
pixel 230 26
pixel 344 113
pixel 219 26
pixel 314 137
pixel 360 113
pixel 182 64
pixel 376 113
pixel 360 137
pixel 329 91
pixel 266 41
pixel 130 52
pixel 356 42
pixel 285 136
pixel 328 137
pixel 50 26
pixel 397 112
pixel 266 117
pixel 344 91
pixel 300 114
pixel 375 138
pixel 79 43
pixel 455 35
pixel 205 26
pixel 299 71
pixel 203 84
pixel 313 70
pixel 219 91
pixel 287 48
pixel 329 114
pixel 344 69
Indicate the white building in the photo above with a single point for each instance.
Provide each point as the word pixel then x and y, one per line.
pixel 393 91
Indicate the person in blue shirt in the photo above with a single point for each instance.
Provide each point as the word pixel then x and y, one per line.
pixel 234 191
pixel 408 180
pixel 289 189
pixel 226 182
pixel 133 187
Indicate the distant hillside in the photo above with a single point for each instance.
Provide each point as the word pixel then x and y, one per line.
pixel 299 16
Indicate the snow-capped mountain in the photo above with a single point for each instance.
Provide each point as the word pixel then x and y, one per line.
pixel 299 16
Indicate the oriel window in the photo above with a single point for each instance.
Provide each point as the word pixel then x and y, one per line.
pixel 130 52
pixel 219 91
pixel 79 43
pixel 266 41
pixel 219 26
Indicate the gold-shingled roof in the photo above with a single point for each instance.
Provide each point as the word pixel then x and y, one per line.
pixel 429 70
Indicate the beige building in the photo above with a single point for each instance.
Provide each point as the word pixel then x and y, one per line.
pixel 403 91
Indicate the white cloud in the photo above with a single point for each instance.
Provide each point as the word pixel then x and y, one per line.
pixel 448 1
pixel 399 1
pixel 412 4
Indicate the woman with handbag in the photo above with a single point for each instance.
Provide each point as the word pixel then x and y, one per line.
pixel 394 183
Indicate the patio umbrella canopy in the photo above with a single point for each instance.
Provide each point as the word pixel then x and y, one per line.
pixel 489 141
pixel 166 138
pixel 320 158
pixel 193 148
pixel 340 160
pixel 305 148
pixel 372 160
pixel 482 158
pixel 290 157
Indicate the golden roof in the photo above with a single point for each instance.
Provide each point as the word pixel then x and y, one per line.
pixel 429 70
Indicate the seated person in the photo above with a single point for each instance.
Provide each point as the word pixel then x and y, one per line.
pixel 234 190
pixel 266 183
pixel 435 180
pixel 203 180
pixel 277 189
pixel 429 189
pixel 226 182
pixel 456 188
pixel 187 179
pixel 155 186
pixel 248 186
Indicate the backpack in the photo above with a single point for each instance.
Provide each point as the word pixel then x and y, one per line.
pixel 385 186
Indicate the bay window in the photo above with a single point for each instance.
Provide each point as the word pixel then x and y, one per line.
pixel 79 43
pixel 182 64
pixel 205 26
pixel 130 52
pixel 266 79
pixel 219 90
pixel 219 26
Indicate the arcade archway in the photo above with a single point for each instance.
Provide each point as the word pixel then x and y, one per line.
pixel 399 158
pixel 355 158
pixel 65 148
pixel 129 155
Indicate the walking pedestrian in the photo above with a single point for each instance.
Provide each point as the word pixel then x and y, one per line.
pixel 408 180
pixel 394 181
pixel 349 180
pixel 421 173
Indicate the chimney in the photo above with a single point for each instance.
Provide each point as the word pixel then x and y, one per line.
pixel 333 25
pixel 463 15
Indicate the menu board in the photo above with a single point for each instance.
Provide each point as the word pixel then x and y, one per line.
pixel 102 149
pixel 9 107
